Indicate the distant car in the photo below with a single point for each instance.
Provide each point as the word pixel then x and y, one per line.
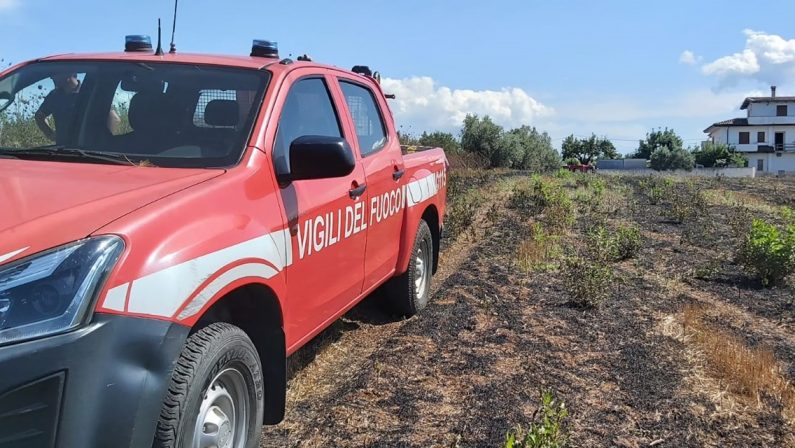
pixel 588 168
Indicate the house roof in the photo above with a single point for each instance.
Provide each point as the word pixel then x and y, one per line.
pixel 765 99
pixel 728 123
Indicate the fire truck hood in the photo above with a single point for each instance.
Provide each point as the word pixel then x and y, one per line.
pixel 46 204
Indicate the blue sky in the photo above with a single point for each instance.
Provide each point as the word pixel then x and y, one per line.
pixel 615 68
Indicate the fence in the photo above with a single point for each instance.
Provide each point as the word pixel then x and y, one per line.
pixel 698 172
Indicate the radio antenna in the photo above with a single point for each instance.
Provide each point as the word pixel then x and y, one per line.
pixel 174 29
pixel 159 51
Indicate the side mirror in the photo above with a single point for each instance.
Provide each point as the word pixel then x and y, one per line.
pixel 5 100
pixel 319 157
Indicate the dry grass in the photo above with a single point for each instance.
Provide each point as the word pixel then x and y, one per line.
pixel 752 372
pixel 539 251
pixel 728 198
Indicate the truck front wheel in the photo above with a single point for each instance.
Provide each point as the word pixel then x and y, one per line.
pixel 215 398
pixel 409 292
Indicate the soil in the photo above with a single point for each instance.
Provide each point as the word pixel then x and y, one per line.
pixel 471 366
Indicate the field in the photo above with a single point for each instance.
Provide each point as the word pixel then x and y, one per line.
pixel 623 297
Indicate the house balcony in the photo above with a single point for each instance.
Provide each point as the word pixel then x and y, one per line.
pixel 764 147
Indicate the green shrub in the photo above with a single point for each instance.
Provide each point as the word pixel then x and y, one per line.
pixel 600 244
pixel 440 139
pixel 712 154
pixel 544 195
pixel 560 213
pixel 606 246
pixel 524 197
pixel 626 242
pixel 654 188
pixel 533 195
pixel 588 281
pixel 461 213
pixel 663 159
pixel 546 430
pixel 768 251
pixel 684 201
pixel 564 174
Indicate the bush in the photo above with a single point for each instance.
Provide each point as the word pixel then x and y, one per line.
pixel 768 251
pixel 684 201
pixel 627 242
pixel 564 174
pixel 654 188
pixel 588 281
pixel 439 139
pixel 717 155
pixel 546 430
pixel 663 159
pixel 534 195
pixel 461 213
pixel 606 246
pixel 545 195
pixel 560 213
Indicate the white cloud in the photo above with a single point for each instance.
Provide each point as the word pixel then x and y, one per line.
pixel 766 58
pixel 6 5
pixel 422 103
pixel 744 63
pixel 689 58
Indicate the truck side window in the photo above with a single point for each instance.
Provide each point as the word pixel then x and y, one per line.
pixel 308 110
pixel 370 129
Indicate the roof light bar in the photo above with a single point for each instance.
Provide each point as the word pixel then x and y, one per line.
pixel 137 42
pixel 265 49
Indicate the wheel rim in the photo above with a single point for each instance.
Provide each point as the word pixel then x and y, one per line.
pixel 223 414
pixel 422 268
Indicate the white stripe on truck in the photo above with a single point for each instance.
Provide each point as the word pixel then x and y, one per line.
pixel 163 293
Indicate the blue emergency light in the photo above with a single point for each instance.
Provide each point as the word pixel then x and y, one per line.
pixel 265 49
pixel 137 42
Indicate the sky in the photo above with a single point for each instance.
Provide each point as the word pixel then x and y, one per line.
pixel 614 68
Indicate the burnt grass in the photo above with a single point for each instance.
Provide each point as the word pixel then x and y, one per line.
pixel 472 364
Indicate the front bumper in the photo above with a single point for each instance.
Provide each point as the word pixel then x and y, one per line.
pixel 99 386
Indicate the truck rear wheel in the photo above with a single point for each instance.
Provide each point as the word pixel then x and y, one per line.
pixel 409 292
pixel 215 398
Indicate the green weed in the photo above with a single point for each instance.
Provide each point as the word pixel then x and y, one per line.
pixel 546 430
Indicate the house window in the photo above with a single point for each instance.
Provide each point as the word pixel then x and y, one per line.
pixel 760 164
pixel 745 138
pixel 760 137
pixel 781 111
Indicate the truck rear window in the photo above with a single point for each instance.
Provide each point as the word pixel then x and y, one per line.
pixel 174 115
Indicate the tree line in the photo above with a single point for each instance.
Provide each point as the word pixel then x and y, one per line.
pixel 528 148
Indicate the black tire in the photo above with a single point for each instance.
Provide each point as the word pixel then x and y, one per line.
pixel 209 354
pixel 404 297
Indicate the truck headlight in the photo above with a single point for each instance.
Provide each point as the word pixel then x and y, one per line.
pixel 50 292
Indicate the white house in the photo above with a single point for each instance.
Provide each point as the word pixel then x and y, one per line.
pixel 766 136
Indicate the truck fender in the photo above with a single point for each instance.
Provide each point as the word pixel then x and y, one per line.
pixel 423 193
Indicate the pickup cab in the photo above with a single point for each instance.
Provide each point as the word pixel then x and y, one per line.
pixel 174 226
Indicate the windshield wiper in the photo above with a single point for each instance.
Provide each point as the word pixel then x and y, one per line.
pixel 66 151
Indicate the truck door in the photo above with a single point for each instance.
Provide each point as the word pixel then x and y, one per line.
pixel 383 165
pixel 326 217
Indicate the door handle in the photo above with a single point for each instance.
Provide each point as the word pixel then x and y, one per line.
pixel 357 191
pixel 398 174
